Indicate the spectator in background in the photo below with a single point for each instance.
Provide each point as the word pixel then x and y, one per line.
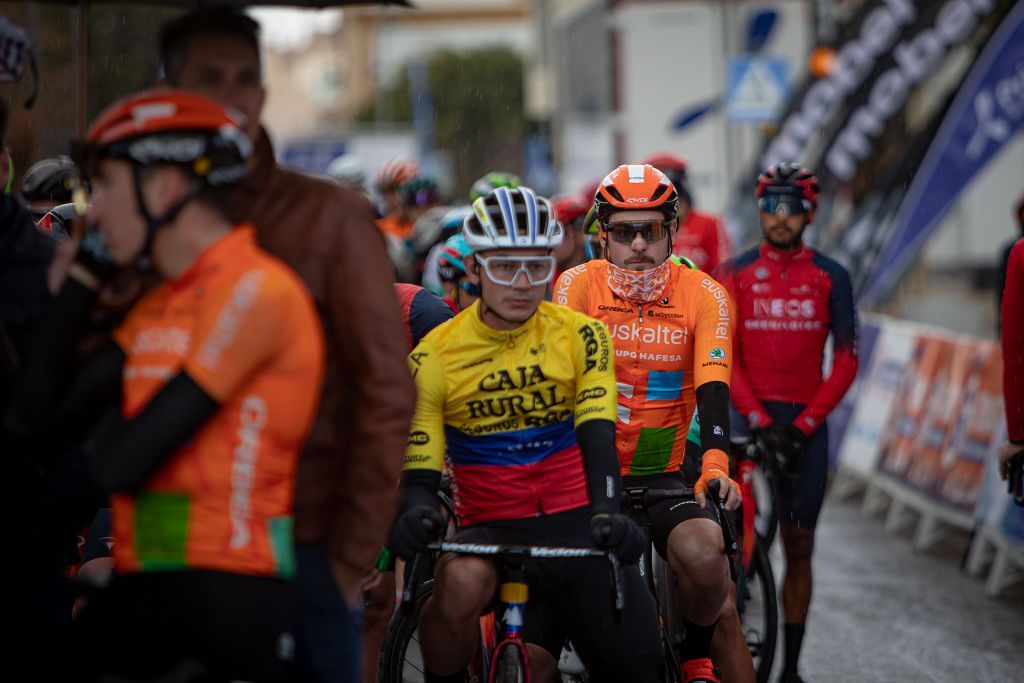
pixel 346 482
pixel 1004 260
pixel 48 184
pixel 25 254
pixel 701 237
pixel 1013 357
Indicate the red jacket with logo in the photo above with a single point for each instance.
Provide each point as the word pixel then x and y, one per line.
pixel 786 305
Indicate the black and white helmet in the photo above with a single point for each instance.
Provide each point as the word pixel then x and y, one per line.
pixel 507 218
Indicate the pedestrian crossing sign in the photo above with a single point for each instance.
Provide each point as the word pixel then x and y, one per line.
pixel 757 90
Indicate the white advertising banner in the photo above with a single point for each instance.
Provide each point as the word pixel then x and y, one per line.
pixel 893 350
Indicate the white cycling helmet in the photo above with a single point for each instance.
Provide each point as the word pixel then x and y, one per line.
pixel 507 218
pixel 348 169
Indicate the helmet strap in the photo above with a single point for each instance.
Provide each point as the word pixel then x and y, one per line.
pixel 154 223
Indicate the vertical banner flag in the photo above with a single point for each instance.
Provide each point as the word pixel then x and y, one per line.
pixel 987 111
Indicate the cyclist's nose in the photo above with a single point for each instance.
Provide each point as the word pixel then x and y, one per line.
pixel 521 281
pixel 638 243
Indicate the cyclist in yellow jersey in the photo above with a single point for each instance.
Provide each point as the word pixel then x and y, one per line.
pixel 521 393
pixel 671 326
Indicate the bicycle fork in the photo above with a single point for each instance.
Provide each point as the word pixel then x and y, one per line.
pixel 514 593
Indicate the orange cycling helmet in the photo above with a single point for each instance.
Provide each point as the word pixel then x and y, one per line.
pixel 168 127
pixel 636 186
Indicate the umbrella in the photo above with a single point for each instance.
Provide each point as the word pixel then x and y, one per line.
pixel 83 29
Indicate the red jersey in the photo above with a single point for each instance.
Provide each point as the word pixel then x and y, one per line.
pixel 787 303
pixel 702 239
pixel 1013 343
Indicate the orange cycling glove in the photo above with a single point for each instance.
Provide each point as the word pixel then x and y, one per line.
pixel 714 465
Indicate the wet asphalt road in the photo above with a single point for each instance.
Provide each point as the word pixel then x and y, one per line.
pixel 881 612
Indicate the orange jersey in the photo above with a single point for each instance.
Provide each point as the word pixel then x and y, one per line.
pixel 395 227
pixel 664 350
pixel 243 327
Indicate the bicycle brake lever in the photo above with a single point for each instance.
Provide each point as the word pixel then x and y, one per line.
pixel 616 571
pixel 724 518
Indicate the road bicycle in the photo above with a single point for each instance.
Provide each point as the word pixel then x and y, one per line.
pixel 655 570
pixel 503 657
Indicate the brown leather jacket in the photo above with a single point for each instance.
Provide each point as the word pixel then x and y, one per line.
pixel 347 482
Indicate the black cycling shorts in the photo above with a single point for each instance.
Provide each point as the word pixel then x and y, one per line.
pixel 143 625
pixel 667 515
pixel 799 499
pixel 572 599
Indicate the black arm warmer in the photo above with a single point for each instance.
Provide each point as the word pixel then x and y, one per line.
pixel 597 441
pixel 124 455
pixel 419 487
pixel 48 366
pixel 713 408
pixel 95 388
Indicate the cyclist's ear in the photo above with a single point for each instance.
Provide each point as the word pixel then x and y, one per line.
pixel 472 268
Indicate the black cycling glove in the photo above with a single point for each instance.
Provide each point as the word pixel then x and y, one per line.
pixel 419 518
pixel 414 529
pixel 788 444
pixel 618 533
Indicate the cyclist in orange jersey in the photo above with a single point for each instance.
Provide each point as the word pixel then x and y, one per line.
pixel 217 374
pixel 671 327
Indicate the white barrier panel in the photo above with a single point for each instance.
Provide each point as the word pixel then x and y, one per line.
pixel 925 433
pixel 893 348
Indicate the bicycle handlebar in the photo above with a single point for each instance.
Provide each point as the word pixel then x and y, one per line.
pixel 516 553
pixel 643 496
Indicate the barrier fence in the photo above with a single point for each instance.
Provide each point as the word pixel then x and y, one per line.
pixel 920 432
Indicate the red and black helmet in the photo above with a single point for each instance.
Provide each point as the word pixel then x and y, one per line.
pixel 631 187
pixel 570 209
pixel 674 167
pixel 789 179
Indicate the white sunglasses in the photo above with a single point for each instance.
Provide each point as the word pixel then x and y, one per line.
pixel 505 270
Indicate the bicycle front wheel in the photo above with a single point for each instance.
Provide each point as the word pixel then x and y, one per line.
pixel 767 520
pixel 400 658
pixel 511 667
